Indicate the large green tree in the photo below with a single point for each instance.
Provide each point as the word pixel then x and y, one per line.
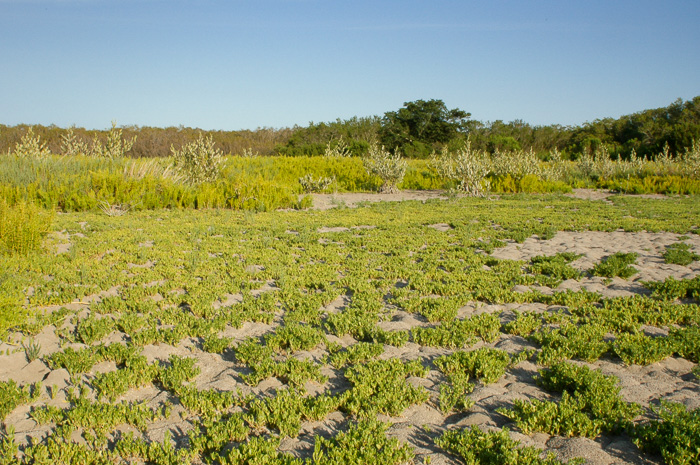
pixel 421 126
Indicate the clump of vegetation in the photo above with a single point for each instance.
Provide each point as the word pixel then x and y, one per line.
pixel 364 442
pixel 551 271
pixel 640 349
pixel 23 226
pixel 198 161
pixel 338 150
pixel 590 404
pixel 486 364
pixel 115 148
pixel 686 342
pixel 618 264
pixel 680 254
pixel 12 313
pixel 356 353
pixel 12 395
pixel 390 168
pixel 467 168
pixel 32 350
pixel 309 184
pixel 453 394
pixel 524 324
pixel 379 386
pixel 287 409
pixel 672 288
pixel 30 146
pixel 675 435
pixel 584 342
pixel 475 446
pixel 460 333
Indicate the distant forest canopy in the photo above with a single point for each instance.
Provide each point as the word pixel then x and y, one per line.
pixel 416 130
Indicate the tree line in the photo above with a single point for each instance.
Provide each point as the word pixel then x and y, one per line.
pixel 417 130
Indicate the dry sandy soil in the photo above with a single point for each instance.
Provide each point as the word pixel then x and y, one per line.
pixel 670 379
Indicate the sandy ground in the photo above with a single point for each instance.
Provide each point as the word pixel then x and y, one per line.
pixel 353 199
pixel 420 425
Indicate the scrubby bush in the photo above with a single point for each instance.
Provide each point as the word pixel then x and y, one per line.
pixel 390 168
pixel 31 146
pixel 198 161
pixel 309 184
pixel 467 168
pixel 72 145
pixel 337 150
pixel 115 148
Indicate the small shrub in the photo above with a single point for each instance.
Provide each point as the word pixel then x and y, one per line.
pixel 389 168
pixel 486 364
pixel 198 161
pixel 686 342
pixel 115 148
pixel 294 337
pixel 216 345
pixel 524 324
pixel 258 451
pixel 32 350
pixel 30 146
pixel 92 329
pixel 311 185
pixel 72 145
pixel 555 268
pixel 584 342
pixel 357 353
pixel 468 169
pixel 672 288
pixel 337 150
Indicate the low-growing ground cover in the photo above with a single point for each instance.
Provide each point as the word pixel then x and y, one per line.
pixel 440 332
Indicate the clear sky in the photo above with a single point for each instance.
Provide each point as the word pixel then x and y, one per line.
pixel 243 64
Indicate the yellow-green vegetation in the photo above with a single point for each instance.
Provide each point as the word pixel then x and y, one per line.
pixel 475 446
pixel 590 404
pixel 250 331
pixel 675 434
pixel 199 175
pixel 23 226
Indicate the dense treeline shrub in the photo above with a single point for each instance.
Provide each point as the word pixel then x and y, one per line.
pixel 149 142
pixel 418 129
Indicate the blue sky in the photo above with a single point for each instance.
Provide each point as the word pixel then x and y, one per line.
pixel 242 64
